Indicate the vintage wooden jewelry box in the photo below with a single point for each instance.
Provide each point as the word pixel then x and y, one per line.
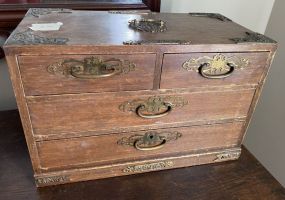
pixel 125 92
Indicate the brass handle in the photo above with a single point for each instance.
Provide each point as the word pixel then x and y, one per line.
pixel 91 67
pixel 93 76
pixel 203 71
pixel 141 108
pixel 151 140
pixel 138 145
pixel 218 67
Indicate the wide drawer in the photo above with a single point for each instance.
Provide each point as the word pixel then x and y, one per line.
pixel 212 69
pixel 97 150
pixel 76 115
pixel 62 74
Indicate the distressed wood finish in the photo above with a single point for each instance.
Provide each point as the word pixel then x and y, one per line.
pixel 38 81
pixel 173 71
pixel 121 169
pixel 96 112
pixel 200 181
pixel 72 126
pixel 87 151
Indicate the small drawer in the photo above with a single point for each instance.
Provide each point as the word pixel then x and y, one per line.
pixel 63 74
pixel 109 149
pixel 212 69
pixel 76 115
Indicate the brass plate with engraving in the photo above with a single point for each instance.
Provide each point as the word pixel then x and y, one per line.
pixel 91 67
pixel 151 140
pixel 220 66
pixel 153 107
pixel 231 155
pixel 148 167
pixel 41 181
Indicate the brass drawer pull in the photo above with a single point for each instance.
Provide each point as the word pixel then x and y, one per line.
pixel 153 107
pixel 151 140
pixel 78 73
pixel 218 67
pixel 91 67
pixel 167 109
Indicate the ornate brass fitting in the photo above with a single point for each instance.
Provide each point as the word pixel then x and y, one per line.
pixel 157 42
pixel 231 155
pixel 29 37
pixel 211 15
pixel 151 140
pixel 148 167
pixel 153 107
pixel 91 67
pixel 253 37
pixel 220 66
pixel 148 25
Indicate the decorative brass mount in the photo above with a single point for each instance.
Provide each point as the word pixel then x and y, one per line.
pixel 253 37
pixel 220 66
pixel 37 12
pixel 156 42
pixel 231 155
pixel 148 167
pixel 153 107
pixel 91 67
pixel 50 180
pixel 211 15
pixel 28 37
pixel 151 140
pixel 139 12
pixel 148 25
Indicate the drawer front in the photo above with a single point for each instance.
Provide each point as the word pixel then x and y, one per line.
pixel 95 150
pixel 77 114
pixel 212 69
pixel 62 74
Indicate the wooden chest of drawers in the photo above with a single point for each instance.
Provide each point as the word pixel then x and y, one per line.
pixel 118 93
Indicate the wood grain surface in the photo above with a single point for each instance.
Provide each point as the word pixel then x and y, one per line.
pixel 102 28
pixel 98 150
pixel 77 114
pixel 38 81
pixel 172 71
pixel 65 111
pixel 244 179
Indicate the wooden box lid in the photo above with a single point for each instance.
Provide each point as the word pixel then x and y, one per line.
pixel 117 28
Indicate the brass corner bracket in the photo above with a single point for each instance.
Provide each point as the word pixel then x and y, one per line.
pixel 230 155
pixel 253 37
pixel 211 15
pixel 28 37
pixel 37 12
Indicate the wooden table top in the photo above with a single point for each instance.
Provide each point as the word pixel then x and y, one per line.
pixel 245 179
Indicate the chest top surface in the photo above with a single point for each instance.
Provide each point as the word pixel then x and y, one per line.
pixel 129 28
